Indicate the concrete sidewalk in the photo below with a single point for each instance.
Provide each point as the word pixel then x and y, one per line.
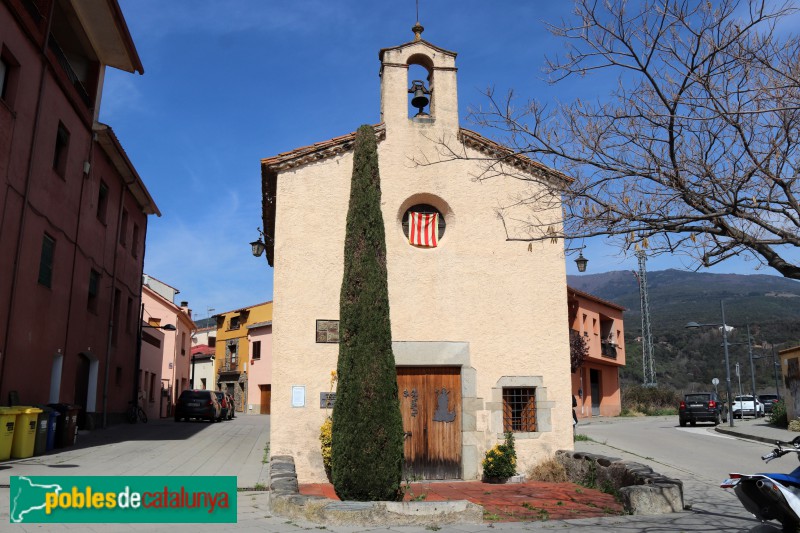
pixel 162 448
pixel 757 429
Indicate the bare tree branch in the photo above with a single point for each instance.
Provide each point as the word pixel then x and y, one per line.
pixel 697 149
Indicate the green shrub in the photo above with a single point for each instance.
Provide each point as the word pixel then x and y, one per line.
pixel 501 460
pixel 651 401
pixel 778 415
pixel 367 437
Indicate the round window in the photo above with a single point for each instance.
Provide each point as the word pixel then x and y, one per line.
pixel 427 210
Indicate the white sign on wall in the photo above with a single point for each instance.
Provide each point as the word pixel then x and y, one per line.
pixel 298 396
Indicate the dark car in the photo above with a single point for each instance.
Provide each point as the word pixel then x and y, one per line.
pixel 232 411
pixel 701 407
pixel 224 404
pixel 201 404
pixel 769 400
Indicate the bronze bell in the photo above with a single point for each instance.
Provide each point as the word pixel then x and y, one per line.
pixel 420 100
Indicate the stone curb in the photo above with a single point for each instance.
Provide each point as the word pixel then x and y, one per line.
pixel 746 436
pixel 643 491
pixel 285 500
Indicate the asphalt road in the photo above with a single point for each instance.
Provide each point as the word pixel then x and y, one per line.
pixel 699 456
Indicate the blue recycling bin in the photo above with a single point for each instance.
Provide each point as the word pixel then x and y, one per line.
pixel 51 421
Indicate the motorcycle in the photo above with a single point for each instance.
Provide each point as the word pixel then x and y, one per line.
pixel 771 496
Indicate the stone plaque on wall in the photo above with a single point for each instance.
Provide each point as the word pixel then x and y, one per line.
pixel 326 400
pixel 328 331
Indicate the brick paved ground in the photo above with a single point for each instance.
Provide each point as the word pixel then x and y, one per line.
pixel 512 502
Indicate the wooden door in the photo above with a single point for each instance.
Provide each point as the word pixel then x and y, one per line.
pixel 266 398
pixel 430 401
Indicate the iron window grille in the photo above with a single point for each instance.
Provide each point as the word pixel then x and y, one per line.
pixel 519 409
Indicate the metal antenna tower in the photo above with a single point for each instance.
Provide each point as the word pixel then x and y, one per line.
pixel 648 362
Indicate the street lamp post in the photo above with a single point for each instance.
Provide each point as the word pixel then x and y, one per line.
pixel 727 358
pixel 775 366
pixel 752 370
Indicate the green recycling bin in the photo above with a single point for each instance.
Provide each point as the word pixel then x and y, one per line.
pixel 8 419
pixel 25 432
pixel 42 427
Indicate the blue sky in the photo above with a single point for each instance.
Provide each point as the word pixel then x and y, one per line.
pixel 229 83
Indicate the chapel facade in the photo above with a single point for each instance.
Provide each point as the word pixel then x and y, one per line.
pixel 478 319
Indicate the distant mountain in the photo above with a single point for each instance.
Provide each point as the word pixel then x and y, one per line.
pixel 205 322
pixel 689 358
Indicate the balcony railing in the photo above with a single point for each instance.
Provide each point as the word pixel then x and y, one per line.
pixel 608 349
pixel 73 78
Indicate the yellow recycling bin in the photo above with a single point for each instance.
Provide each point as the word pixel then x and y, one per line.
pixel 8 418
pixel 24 432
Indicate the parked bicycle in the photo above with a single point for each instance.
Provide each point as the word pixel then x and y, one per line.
pixel 135 412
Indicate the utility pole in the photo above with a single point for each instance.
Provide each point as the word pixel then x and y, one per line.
pixel 648 362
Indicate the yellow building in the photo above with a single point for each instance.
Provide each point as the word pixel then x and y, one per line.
pixel 232 358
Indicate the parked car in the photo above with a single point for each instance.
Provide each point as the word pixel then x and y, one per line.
pixel 701 407
pixel 769 400
pixel 747 406
pixel 224 404
pixel 201 404
pixel 232 413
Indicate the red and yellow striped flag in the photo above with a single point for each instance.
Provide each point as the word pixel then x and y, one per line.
pixel 423 229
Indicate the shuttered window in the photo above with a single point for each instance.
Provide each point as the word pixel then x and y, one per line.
pixel 94 290
pixel 46 261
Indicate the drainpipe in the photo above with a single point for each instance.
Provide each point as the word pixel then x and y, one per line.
pixel 25 200
pixel 111 309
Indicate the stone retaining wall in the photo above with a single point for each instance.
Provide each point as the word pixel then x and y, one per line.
pixel 643 491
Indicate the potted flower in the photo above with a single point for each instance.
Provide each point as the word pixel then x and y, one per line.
pixel 500 462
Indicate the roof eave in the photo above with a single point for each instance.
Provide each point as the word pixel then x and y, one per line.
pixel 116 154
pixel 410 43
pixel 105 26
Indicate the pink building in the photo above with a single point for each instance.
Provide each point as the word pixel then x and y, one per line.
pixel 595 385
pixel 259 392
pixel 150 364
pixel 74 211
pixel 159 313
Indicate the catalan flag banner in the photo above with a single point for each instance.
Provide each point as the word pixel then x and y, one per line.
pixel 423 229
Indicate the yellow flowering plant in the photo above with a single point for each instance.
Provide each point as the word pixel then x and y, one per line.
pixel 501 460
pixel 326 432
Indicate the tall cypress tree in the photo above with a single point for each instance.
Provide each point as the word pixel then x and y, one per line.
pixel 367 448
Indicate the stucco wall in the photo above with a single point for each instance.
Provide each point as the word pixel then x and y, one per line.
pixel 260 370
pixel 504 305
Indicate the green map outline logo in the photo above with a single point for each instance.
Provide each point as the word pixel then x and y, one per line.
pixel 123 499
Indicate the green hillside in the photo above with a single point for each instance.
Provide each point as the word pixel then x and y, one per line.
pixel 688 359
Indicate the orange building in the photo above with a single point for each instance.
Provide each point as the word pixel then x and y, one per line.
pixel 595 384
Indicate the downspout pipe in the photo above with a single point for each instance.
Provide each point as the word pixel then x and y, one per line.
pixel 111 309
